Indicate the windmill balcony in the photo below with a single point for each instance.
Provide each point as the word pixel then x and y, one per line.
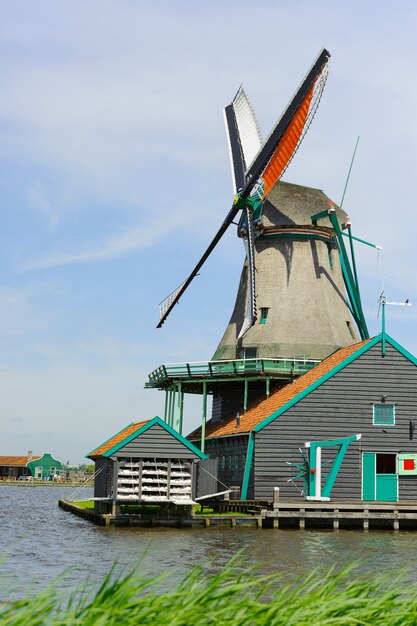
pixel 165 375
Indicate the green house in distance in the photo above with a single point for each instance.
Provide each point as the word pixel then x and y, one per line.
pixel 45 467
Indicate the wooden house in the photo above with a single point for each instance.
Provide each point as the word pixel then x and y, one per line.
pixel 146 462
pixel 43 467
pixel 343 430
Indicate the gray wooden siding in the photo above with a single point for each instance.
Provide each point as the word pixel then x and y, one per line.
pixel 340 407
pixel 155 442
pixel 101 480
pixel 233 447
pixel 205 478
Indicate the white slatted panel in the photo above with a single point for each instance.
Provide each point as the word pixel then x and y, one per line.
pixel 250 135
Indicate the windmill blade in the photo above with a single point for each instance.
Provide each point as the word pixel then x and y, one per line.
pixel 243 136
pixel 168 304
pixel 251 308
pixel 281 145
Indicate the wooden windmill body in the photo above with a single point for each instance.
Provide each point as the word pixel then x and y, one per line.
pixel 302 308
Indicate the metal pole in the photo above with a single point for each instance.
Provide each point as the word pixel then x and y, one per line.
pixel 383 328
pixel 203 419
pixel 245 399
pixel 267 387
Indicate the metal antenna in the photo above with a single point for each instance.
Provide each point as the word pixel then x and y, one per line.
pixel 350 169
pixel 382 303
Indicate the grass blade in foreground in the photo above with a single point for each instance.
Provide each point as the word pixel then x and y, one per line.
pixel 230 597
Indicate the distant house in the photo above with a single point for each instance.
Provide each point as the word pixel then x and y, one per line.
pixel 345 430
pixel 146 462
pixel 43 467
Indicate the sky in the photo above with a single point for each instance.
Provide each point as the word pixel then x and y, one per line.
pixel 114 177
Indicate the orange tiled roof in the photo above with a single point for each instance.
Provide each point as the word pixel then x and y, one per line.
pixel 19 461
pixel 126 432
pixel 261 409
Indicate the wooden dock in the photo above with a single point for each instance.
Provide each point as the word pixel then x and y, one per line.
pixel 346 514
pixel 284 514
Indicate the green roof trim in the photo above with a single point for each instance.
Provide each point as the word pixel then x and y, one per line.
pixel 400 348
pixel 329 374
pixel 169 429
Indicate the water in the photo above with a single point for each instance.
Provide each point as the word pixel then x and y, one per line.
pixel 40 542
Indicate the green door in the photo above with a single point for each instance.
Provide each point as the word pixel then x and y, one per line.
pixel 379 477
pixel 386 487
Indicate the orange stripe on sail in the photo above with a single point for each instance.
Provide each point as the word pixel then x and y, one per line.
pixel 287 145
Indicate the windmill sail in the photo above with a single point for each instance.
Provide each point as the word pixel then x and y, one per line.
pixel 282 143
pixel 271 159
pixel 251 308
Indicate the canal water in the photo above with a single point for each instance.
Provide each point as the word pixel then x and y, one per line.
pixel 39 542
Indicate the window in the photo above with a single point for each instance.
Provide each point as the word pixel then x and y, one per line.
pixel 350 329
pixel 222 462
pixel 386 463
pixel 230 462
pixel 236 461
pixel 264 315
pixel 248 353
pixel 384 414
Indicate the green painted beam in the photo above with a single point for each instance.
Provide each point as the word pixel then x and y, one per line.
pixel 353 289
pixel 343 444
pixel 367 243
pixel 334 470
pixel 248 465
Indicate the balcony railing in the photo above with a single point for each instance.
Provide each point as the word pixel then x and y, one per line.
pixel 165 374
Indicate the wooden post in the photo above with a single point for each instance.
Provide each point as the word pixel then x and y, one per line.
pixel 203 419
pixel 181 405
pixel 166 406
pixel 275 522
pixel 169 406
pixel 245 398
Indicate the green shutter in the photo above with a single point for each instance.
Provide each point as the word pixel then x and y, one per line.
pixel 368 476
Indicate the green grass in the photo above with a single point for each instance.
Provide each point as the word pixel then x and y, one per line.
pixel 232 597
pixel 84 504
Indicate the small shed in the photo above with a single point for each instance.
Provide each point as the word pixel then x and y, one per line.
pixel 146 462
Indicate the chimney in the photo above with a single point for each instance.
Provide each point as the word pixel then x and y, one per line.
pixel 30 455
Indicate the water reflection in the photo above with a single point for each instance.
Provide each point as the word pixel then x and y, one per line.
pixel 41 542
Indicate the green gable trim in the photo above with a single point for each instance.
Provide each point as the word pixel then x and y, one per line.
pixel 400 349
pixel 87 456
pixel 319 382
pixel 145 427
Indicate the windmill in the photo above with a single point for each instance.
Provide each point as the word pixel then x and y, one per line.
pixel 291 299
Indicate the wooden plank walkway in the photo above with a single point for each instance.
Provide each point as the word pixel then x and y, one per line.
pixel 345 514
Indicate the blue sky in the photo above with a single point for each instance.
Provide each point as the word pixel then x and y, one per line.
pixel 114 175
